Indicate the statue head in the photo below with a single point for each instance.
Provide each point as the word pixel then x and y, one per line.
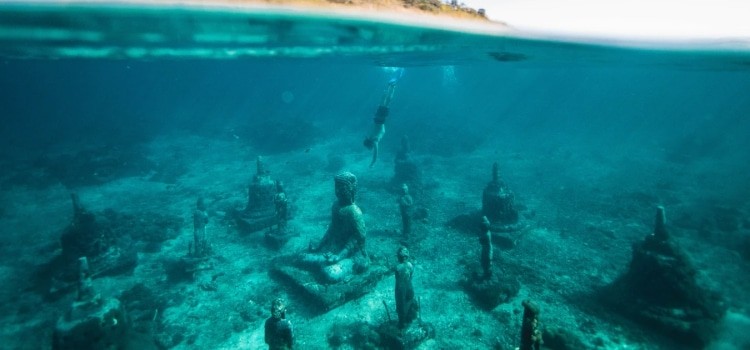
pixel 278 308
pixel 200 204
pixel 346 187
pixel 402 254
pixel 279 186
pixel 404 189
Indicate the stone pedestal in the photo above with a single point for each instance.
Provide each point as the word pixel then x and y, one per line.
pixel 318 291
pixel 393 337
pixel 489 292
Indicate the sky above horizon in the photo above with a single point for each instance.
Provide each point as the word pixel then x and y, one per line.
pixel 631 19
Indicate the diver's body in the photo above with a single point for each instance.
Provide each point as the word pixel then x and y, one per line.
pixel 372 141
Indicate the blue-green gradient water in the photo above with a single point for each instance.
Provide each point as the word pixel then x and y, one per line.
pixel 577 120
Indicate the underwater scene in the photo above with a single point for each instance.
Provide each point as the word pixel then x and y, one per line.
pixel 215 178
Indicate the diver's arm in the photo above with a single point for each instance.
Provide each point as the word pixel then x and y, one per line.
pixel 388 95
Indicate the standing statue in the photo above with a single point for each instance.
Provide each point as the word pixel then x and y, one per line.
pixel 405 203
pixel 85 287
pixel 282 206
pixel 407 307
pixel 485 239
pixel 200 220
pixel 531 335
pixel 341 252
pixel 278 330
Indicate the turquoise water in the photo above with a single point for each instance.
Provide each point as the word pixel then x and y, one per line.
pixel 142 109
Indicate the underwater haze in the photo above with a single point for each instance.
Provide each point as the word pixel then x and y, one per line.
pixel 135 114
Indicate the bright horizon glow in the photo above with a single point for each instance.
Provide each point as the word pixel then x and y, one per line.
pixel 650 20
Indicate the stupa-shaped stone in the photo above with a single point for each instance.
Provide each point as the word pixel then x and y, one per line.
pixel 659 290
pixel 260 211
pixel 498 203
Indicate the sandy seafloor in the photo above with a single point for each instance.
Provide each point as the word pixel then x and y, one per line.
pixel 587 210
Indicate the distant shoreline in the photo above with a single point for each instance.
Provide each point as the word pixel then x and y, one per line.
pixel 387 11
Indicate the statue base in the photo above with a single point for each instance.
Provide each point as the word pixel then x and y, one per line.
pixel 393 337
pixel 249 222
pixel 327 296
pixel 489 292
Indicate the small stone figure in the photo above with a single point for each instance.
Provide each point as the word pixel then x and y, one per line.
pixel 341 252
pixel 199 250
pixel 200 220
pixel 660 225
pixel 282 206
pixel 405 168
pixel 260 211
pixel 661 279
pixel 276 238
pixel 407 308
pixel 405 203
pixel 92 322
pixel 487 287
pixel 279 334
pixel 485 239
pixel 85 287
pixel 409 330
pixel 498 203
pixel 531 335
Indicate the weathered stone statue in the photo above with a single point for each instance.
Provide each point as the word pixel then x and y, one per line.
pixel 200 220
pixel 85 290
pixel 279 334
pixel 407 307
pixel 92 322
pixel 341 252
pixel 485 239
pixel 282 206
pixel 531 335
pixel 198 256
pixel 405 203
pixel 660 280
pixel 405 168
pixel 488 288
pixel 338 268
pixel 498 202
pixel 278 236
pixel 260 211
pixel 408 331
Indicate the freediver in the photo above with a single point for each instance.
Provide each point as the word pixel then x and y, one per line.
pixel 378 128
